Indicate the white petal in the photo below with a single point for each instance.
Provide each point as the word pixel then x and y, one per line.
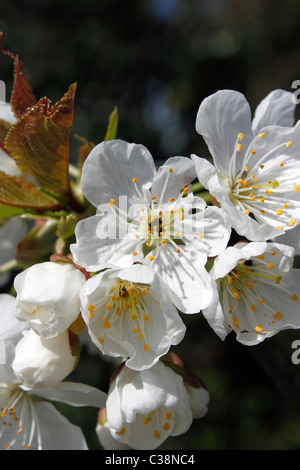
pixel 109 169
pixel 99 244
pixel 277 108
pixel 220 118
pixel 75 394
pixel 185 275
pixel 10 327
pixel 208 177
pixel 167 184
pixel 56 432
pixel 229 258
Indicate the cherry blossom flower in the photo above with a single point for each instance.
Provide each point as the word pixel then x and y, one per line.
pixel 27 418
pixel 145 407
pixel 151 217
pixel 48 297
pixel 257 292
pixel 129 314
pixel 256 172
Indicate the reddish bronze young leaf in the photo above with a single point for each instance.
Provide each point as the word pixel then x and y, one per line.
pixel 39 142
pixel 22 95
pixel 19 192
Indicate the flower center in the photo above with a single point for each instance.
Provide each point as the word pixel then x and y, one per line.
pixel 157 223
pixel 240 296
pixel 253 191
pixel 126 301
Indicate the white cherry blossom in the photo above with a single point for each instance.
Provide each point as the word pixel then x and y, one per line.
pixel 145 407
pixel 129 314
pixel 257 292
pixel 256 172
pixel 48 297
pixel 151 217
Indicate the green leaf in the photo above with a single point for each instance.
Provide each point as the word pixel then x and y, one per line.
pixel 113 120
pixel 10 211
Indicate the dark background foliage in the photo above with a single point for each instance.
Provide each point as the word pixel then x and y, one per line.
pixel 156 60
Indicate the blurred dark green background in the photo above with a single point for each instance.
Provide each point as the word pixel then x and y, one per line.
pixel 156 60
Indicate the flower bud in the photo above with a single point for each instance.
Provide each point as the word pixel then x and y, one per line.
pixel 43 362
pixel 48 297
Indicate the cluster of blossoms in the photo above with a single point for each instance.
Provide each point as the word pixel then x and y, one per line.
pixel 148 251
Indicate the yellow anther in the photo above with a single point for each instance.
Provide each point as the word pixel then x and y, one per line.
pixel 134 180
pixel 259 328
pixel 136 330
pixel 101 340
pixel 281 164
pixel 153 198
pixel 294 297
pixel 185 190
pixel 296 188
pixel 170 170
pixel 262 199
pixel 122 430
pixel 235 322
pixel 156 434
pixel 151 258
pixel 246 168
pixel 134 253
pixel 278 315
pixel 145 317
pixel 289 143
pixel 275 184
pixel 200 235
pixel 262 211
pixel 279 227
pixel 91 309
pixel 240 136
pixel 261 135
pixel 270 265
pixel 285 206
pixel 113 201
pixel 177 251
pixel 279 211
pixel 292 222
pixel 239 147
pixel 260 301
pixel 247 211
pixel 168 415
pixel 166 426
pixel 108 306
pixel 253 198
pixel 163 242
pixel 253 308
pixel 253 152
pixel 171 199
